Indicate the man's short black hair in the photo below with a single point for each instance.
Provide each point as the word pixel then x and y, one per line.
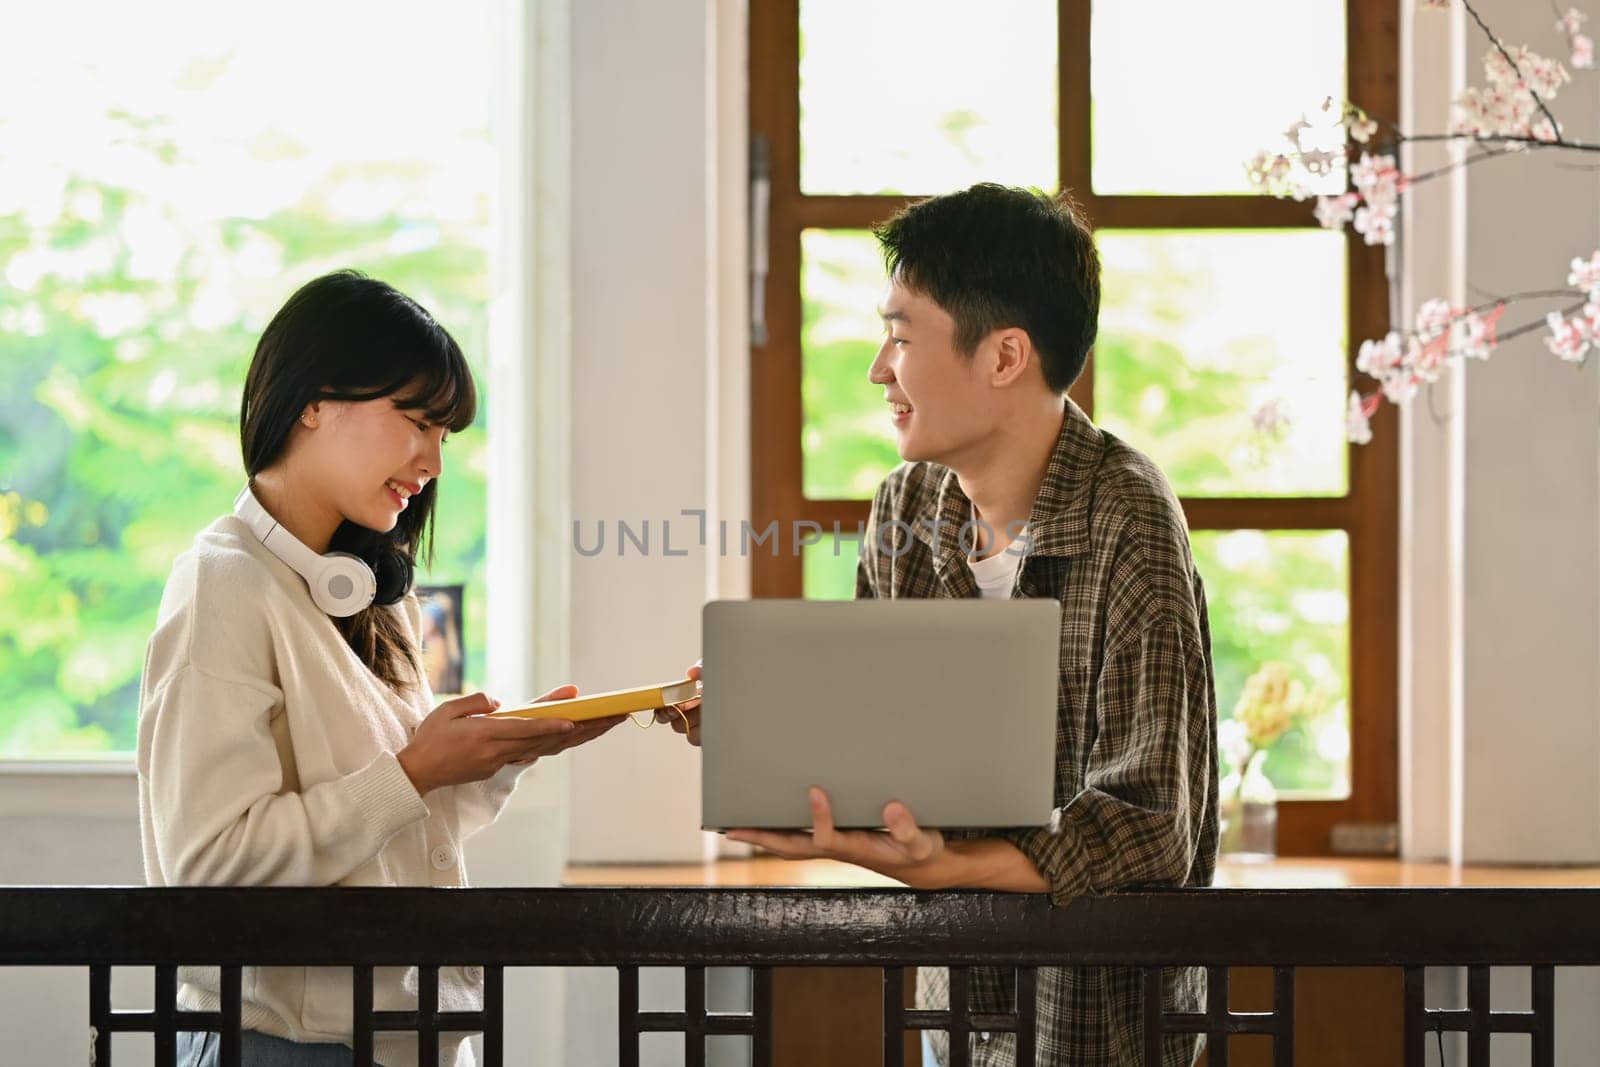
pixel 992 257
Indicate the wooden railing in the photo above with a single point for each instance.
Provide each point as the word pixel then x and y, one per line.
pixel 103 928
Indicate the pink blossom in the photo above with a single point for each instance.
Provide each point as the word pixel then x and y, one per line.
pixel 1395 362
pixel 1500 113
pixel 1526 70
pixel 1588 321
pixel 1435 5
pixel 1376 223
pixel 1269 172
pixel 1586 275
pixel 1433 318
pixel 1371 170
pixel 1360 126
pixel 1472 116
pixel 1429 355
pixel 1497 68
pixel 1334 211
pixel 1357 426
pixel 1380 184
pixel 1478 333
pixel 1569 338
pixel 1571 21
pixel 1507 107
pixel 1401 387
pixel 1377 359
pixel 1582 51
pixel 1544 76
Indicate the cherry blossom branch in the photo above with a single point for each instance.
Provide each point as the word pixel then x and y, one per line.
pixel 1418 179
pixel 1537 99
pixel 1539 324
pixel 1510 114
pixel 1405 360
pixel 1456 353
pixel 1494 138
pixel 1524 329
pixel 1532 294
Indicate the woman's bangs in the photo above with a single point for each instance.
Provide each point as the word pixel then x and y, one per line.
pixel 443 390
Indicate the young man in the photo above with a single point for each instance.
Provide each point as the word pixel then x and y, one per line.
pixel 990 314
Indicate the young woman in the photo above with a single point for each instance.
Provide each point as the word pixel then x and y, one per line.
pixel 286 729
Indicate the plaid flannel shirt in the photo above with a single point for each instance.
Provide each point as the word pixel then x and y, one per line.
pixel 1136 766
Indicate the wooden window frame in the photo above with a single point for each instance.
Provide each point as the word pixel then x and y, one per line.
pixel 1368 512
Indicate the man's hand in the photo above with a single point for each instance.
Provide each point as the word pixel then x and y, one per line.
pixel 905 851
pixel 684 717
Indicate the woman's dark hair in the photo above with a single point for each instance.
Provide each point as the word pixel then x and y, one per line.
pixel 348 337
pixel 993 256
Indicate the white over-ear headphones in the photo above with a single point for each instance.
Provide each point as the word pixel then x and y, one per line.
pixel 341 584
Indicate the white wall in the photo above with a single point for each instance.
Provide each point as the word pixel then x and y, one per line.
pixel 1500 725
pixel 1530 786
pixel 66 830
pixel 1501 728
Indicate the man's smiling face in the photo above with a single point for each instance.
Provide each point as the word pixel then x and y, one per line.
pixel 938 397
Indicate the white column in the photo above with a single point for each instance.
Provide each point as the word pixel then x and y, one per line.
pixel 645 285
pixel 1431 257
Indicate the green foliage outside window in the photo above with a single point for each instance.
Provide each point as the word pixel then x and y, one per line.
pixel 119 399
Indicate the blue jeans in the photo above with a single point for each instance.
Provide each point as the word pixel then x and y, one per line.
pixel 260 1050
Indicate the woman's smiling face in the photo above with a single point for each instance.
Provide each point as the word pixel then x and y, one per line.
pixel 370 457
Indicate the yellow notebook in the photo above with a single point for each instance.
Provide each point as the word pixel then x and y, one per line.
pixel 604 705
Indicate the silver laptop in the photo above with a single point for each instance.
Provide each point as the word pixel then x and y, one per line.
pixel 946 705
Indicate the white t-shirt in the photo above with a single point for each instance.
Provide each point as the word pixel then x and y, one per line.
pixel 998 574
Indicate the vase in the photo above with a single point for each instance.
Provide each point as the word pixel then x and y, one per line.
pixel 1247 812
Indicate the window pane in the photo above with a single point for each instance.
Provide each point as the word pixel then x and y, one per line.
pixel 1202 333
pixel 847 442
pixel 160 202
pixel 1283 597
pixel 829 567
pixel 905 96
pixel 1182 97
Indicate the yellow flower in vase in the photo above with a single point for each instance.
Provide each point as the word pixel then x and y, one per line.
pixel 1272 702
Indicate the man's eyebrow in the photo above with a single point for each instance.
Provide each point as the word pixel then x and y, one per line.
pixel 894 315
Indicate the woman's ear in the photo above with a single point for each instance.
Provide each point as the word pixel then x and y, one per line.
pixel 309 417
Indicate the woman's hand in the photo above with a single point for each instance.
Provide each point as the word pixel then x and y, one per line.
pixel 458 742
pixel 582 732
